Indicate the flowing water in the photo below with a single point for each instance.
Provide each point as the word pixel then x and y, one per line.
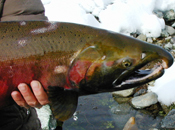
pixel 102 112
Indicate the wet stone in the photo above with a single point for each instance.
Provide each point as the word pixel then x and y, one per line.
pixel 170 30
pixel 153 129
pixel 142 37
pixel 121 100
pixel 173 53
pixel 168 46
pixel 164 33
pixel 154 39
pixel 173 46
pixel 124 93
pixel 173 25
pixel 172 40
pixel 143 101
pixel 169 15
pixel 140 92
pixel 168 39
pixel 131 124
pixel 149 40
pixel 169 120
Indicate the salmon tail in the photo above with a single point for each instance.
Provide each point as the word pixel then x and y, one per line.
pixel 63 102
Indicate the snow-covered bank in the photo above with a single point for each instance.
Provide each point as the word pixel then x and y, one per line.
pixel 124 16
pixel 132 16
pixel 69 11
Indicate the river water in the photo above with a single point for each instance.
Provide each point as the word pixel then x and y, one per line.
pixel 102 112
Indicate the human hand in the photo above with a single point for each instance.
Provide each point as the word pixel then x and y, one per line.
pixel 26 98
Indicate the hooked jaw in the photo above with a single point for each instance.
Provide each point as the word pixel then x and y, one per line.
pixel 140 77
pixel 135 76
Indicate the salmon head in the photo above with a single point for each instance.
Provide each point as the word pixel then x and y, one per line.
pixel 116 63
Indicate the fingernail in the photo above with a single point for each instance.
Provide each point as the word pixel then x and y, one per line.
pixel 22 88
pixel 36 86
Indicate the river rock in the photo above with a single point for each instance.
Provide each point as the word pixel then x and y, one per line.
pixel 168 46
pixel 131 124
pixel 172 40
pixel 170 30
pixel 124 93
pixel 121 100
pixel 168 39
pixel 143 101
pixel 173 25
pixel 142 37
pixel 164 33
pixel 140 92
pixel 169 15
pixel 169 120
pixel 149 40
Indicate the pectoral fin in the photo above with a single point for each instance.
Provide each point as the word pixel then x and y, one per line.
pixel 63 102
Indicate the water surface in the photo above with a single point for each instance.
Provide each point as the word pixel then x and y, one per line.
pixel 102 112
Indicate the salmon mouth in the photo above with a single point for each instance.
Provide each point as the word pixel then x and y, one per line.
pixel 139 77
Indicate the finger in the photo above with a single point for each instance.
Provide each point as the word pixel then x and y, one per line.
pixel 39 92
pixel 17 97
pixel 28 95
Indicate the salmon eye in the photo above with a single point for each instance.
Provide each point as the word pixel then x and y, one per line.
pixel 126 63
